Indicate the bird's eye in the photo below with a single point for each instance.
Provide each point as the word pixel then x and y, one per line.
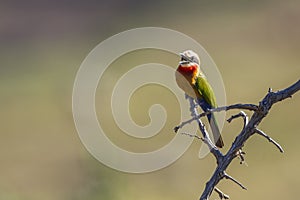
pixel 183 59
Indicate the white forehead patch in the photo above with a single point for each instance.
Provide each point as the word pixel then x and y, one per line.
pixel 192 56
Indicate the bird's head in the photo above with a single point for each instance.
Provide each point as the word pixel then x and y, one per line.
pixel 189 57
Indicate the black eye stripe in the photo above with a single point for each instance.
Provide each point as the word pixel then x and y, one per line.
pixel 183 59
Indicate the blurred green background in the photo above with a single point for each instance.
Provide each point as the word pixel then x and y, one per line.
pixel 255 44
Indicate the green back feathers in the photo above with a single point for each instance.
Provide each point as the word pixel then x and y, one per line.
pixel 208 95
pixel 206 91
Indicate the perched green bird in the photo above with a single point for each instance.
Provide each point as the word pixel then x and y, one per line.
pixel 193 82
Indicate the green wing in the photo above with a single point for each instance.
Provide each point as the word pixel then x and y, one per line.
pixel 206 91
pixel 208 95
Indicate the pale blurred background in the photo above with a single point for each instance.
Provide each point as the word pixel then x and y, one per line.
pixel 255 44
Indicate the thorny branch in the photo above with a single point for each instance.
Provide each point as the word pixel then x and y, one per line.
pixel 240 106
pixel 249 129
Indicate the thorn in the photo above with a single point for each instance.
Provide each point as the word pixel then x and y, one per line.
pixel 270 90
pixel 260 132
pixel 235 181
pixel 221 194
pixel 241 154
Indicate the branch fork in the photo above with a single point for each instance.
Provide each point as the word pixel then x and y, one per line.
pixel 249 129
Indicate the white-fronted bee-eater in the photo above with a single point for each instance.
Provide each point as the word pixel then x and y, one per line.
pixel 193 82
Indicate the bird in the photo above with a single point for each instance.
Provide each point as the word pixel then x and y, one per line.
pixel 193 82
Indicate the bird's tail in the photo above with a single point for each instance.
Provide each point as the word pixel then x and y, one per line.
pixel 215 130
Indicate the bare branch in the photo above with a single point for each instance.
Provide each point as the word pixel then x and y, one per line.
pixel 212 147
pixel 274 97
pixel 240 114
pixel 221 194
pixel 260 132
pixel 239 106
pixel 234 180
pixel 250 128
pixel 250 107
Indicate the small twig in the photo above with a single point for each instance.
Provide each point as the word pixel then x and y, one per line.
pixel 234 180
pixel 193 135
pixel 213 149
pixel 240 114
pixel 260 132
pixel 221 194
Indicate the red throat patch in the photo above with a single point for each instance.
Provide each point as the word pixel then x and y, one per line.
pixel 188 70
pixel 185 78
